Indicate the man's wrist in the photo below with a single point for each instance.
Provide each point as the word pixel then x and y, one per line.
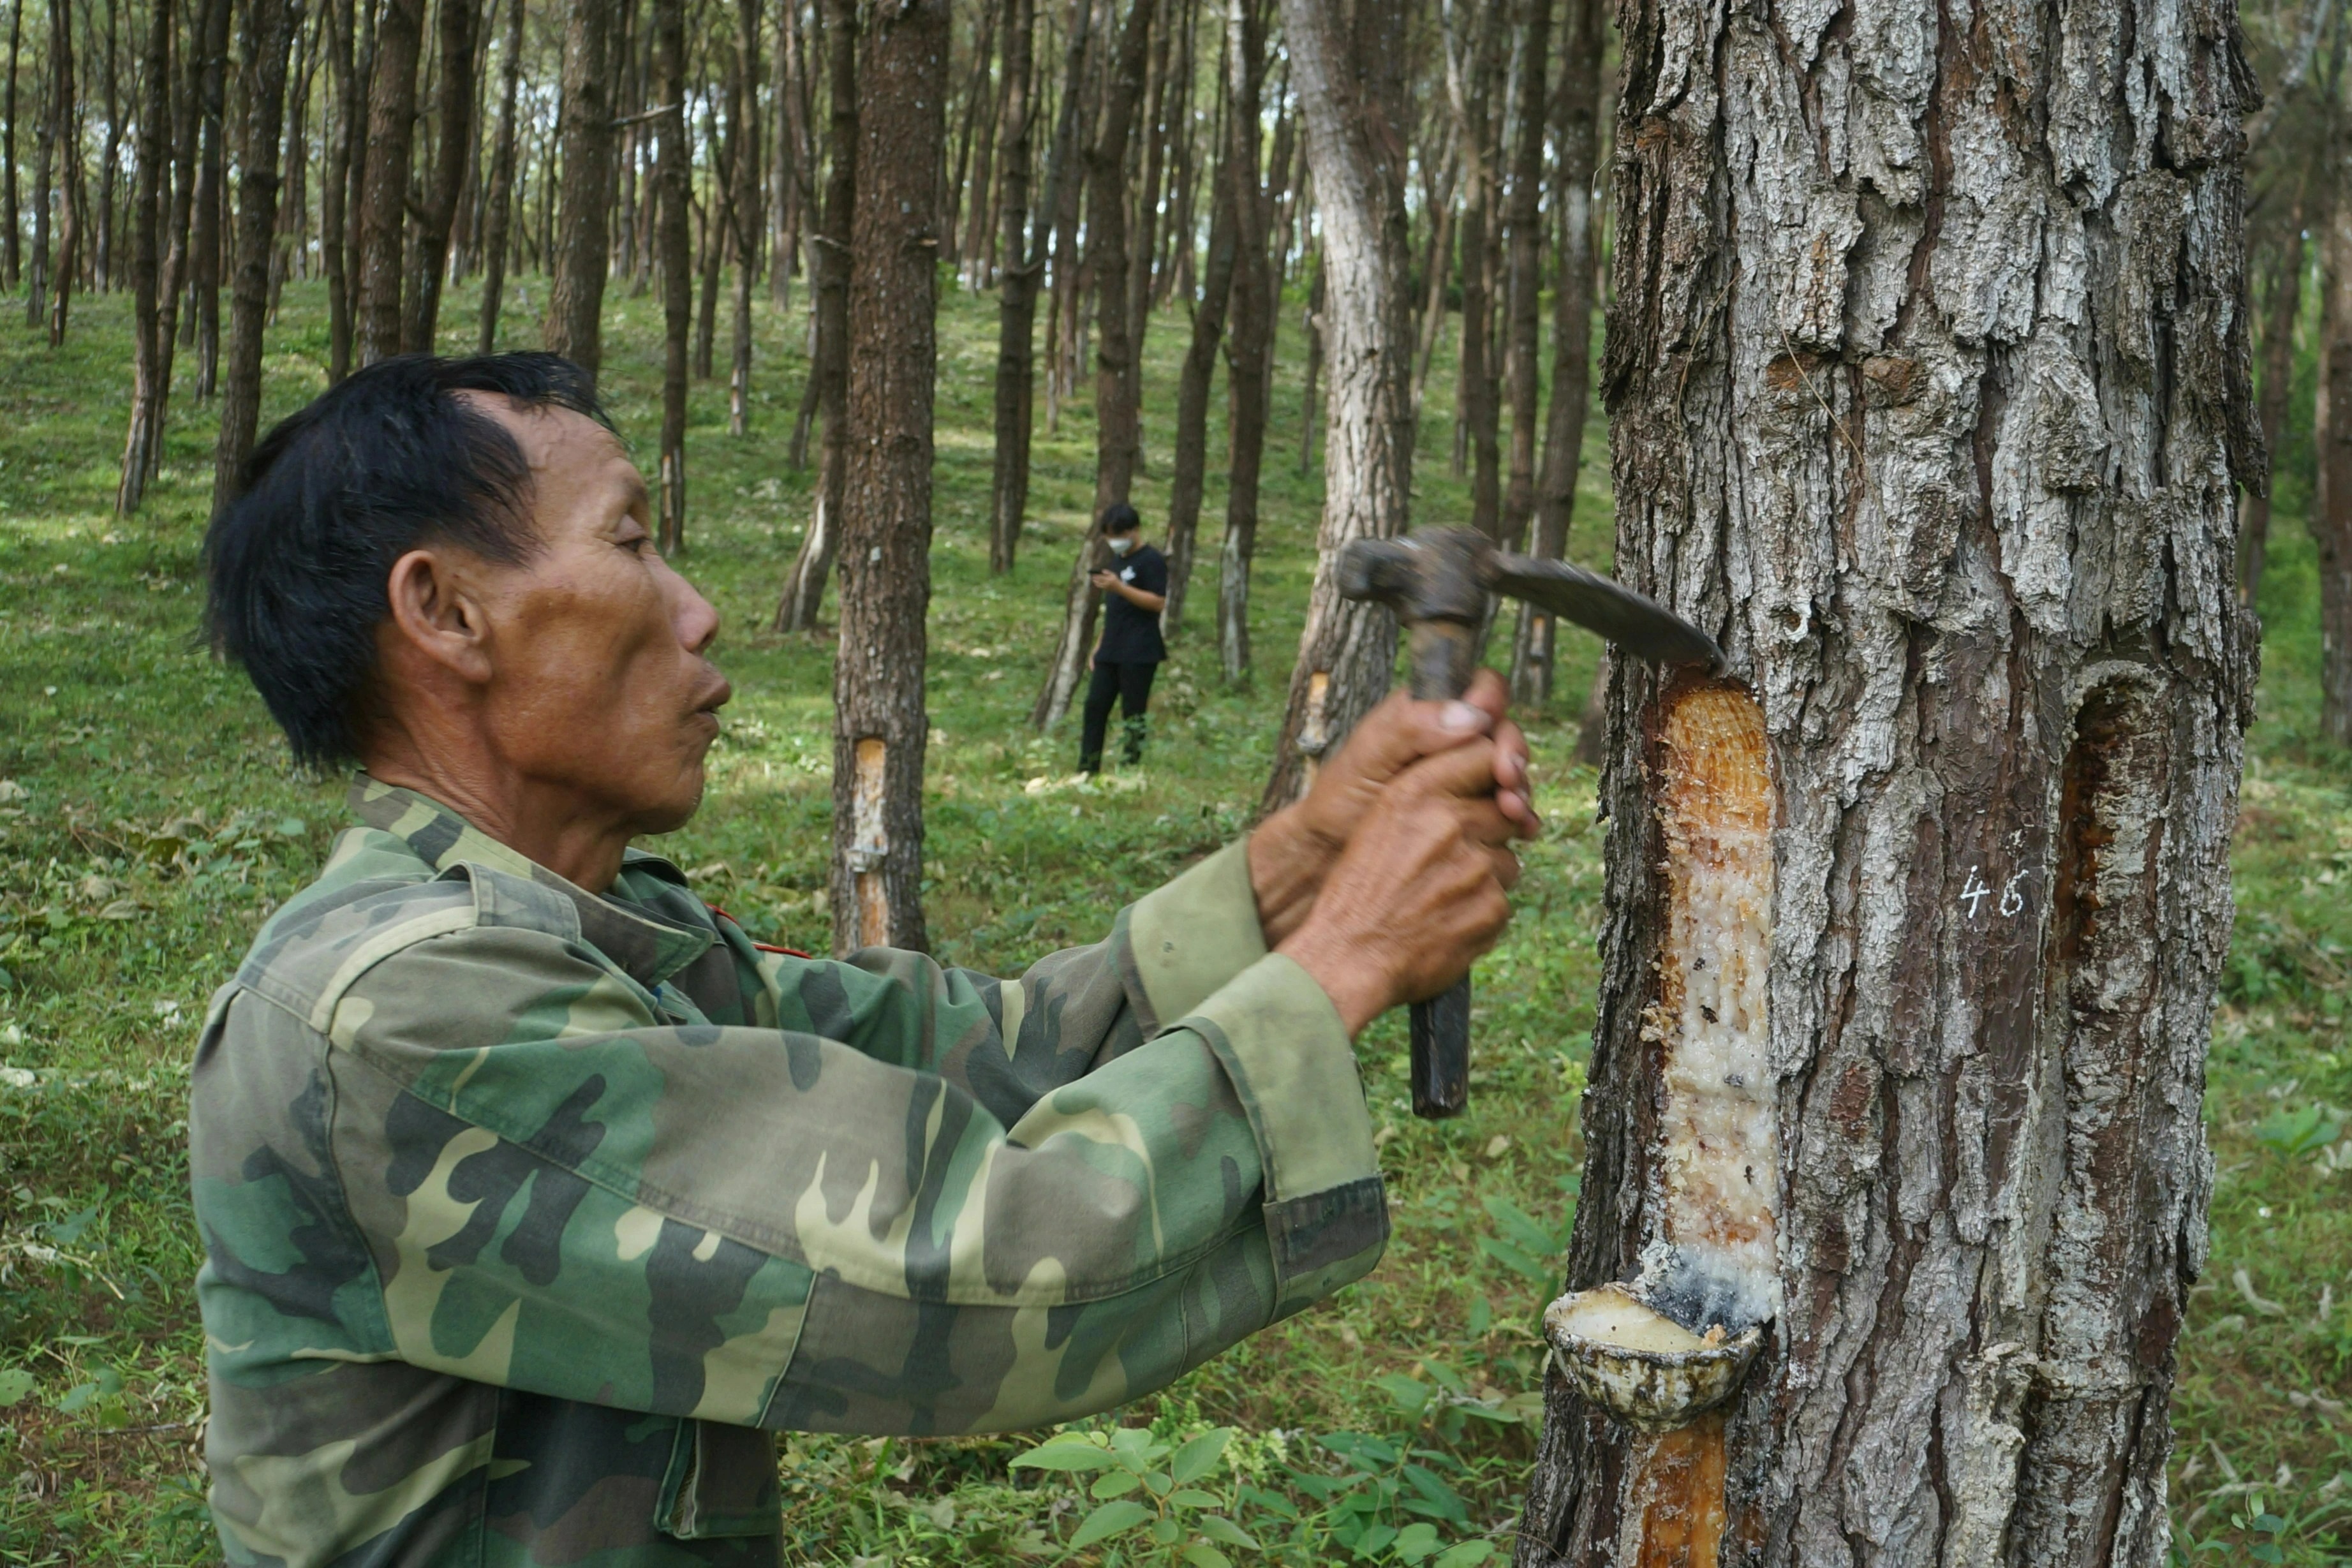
pixel 1286 866
pixel 1358 993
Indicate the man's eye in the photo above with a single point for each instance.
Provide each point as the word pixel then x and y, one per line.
pixel 636 545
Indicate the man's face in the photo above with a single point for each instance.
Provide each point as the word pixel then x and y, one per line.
pixel 600 685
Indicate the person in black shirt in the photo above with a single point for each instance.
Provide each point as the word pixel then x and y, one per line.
pixel 1129 653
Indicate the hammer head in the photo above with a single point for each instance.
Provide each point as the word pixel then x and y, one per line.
pixel 1437 575
pixel 1444 577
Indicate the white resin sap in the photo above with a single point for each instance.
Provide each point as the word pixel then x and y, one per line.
pixel 1608 1315
pixel 1719 1162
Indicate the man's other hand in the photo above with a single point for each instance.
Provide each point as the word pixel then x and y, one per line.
pixel 1293 851
pixel 1419 891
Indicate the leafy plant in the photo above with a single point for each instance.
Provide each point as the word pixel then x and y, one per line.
pixel 1142 1483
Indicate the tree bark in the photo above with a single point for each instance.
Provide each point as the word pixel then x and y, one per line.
pixel 334 186
pixel 1470 73
pixel 1016 308
pixel 720 222
pixel 67 136
pixel 105 261
pixel 672 172
pixel 880 727
pixel 1938 438
pixel 499 214
pixel 744 137
pixel 146 262
pixel 2331 516
pixel 1313 321
pixel 1524 226
pixel 1349 74
pixel 383 204
pixel 1247 345
pixel 12 257
pixel 804 587
pixel 172 283
pixel 576 295
pixel 1577 135
pixel 270 27
pixel 1118 419
pixel 460 23
pixel 1191 462
pixel 209 216
pixel 36 288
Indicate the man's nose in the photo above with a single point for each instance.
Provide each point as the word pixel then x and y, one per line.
pixel 696 617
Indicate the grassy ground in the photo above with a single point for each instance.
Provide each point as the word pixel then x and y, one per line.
pixel 148 822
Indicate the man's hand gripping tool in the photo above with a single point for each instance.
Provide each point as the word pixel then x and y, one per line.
pixel 1437 583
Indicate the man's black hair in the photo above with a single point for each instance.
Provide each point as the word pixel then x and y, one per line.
pixel 1120 518
pixel 297 562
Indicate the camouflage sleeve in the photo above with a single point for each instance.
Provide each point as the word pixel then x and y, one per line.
pixel 1006 1042
pixel 566 1190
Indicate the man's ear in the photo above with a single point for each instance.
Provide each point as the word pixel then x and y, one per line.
pixel 437 611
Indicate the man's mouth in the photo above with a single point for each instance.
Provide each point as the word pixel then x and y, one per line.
pixel 717 700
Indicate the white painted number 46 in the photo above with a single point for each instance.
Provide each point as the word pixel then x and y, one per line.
pixel 1974 892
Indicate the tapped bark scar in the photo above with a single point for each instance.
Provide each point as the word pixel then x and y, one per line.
pixel 1665 1351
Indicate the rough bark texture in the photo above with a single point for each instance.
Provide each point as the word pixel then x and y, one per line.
pixel 12 259
pixel 1349 74
pixel 335 184
pixel 499 213
pixel 886 582
pixel 458 26
pixel 1192 454
pixel 1525 309
pixel 576 295
pixel 270 30
pixel 1249 347
pixel 805 586
pixel 1926 372
pixel 384 202
pixel 1470 74
pixel 146 358
pixel 673 170
pixel 66 117
pixel 2331 518
pixel 1016 308
pixel 1576 134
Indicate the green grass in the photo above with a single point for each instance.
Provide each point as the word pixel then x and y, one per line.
pixel 148 821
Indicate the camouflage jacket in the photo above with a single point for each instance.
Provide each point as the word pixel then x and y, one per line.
pixel 524 1209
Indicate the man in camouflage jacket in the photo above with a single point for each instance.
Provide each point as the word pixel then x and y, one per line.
pixel 534 1193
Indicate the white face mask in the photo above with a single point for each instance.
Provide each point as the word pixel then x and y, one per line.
pixel 1122 545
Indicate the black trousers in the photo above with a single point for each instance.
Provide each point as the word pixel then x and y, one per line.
pixel 1131 685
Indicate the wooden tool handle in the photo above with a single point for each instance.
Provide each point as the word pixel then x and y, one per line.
pixel 1443 654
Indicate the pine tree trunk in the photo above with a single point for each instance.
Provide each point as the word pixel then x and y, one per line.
pixel 1525 227
pixel 172 283
pixel 383 207
pixel 804 587
pixel 1191 463
pixel 1476 418
pixel 37 287
pixel 576 294
pixel 460 26
pixel 880 728
pixel 672 172
pixel 146 262
pixel 1117 418
pixel 2277 383
pixel 719 216
pixel 104 261
pixel 745 136
pixel 334 186
pixel 67 135
pixel 202 328
pixel 1962 409
pixel 1576 137
pixel 1247 346
pixel 2331 516
pixel 1016 310
pixel 499 215
pixel 12 257
pixel 269 28
pixel 1349 76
